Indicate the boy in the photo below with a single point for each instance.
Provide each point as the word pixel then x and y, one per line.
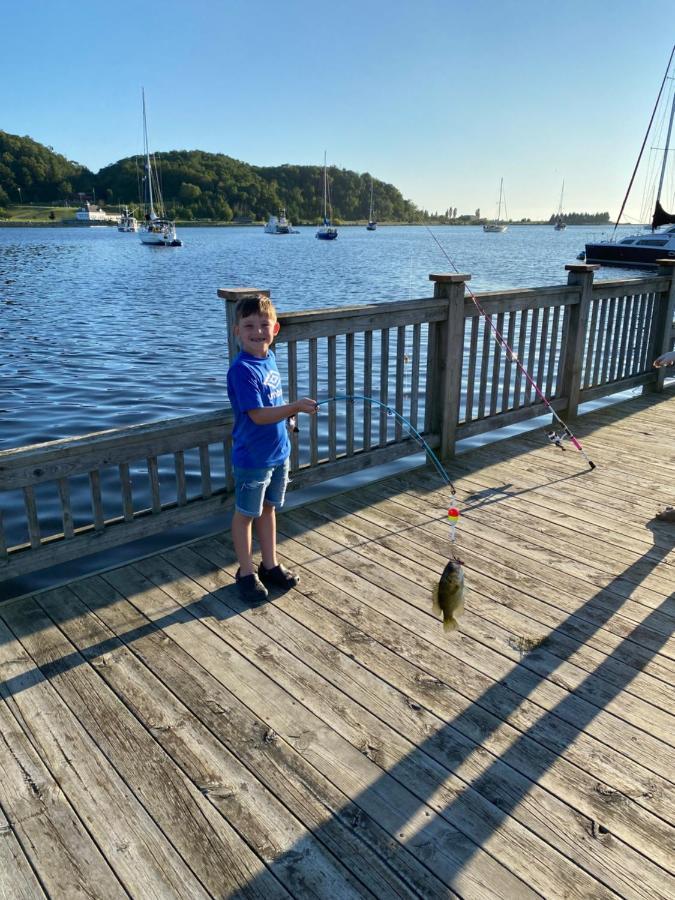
pixel 260 446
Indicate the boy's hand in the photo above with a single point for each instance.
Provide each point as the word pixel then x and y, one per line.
pixel 307 405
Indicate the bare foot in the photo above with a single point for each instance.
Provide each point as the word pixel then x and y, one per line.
pixel 666 359
pixel 666 515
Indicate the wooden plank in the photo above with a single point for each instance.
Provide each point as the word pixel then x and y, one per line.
pixel 314 393
pixel 215 724
pixel 334 710
pixel 553 358
pixel 179 467
pixel 17 879
pixel 415 379
pixel 332 391
pixel 400 378
pixel 115 819
pixel 508 364
pixel 336 600
pixel 186 812
pixel 383 429
pixel 531 356
pixel 41 820
pixel 484 362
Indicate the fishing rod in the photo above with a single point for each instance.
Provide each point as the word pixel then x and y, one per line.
pixel 556 439
pixel 453 511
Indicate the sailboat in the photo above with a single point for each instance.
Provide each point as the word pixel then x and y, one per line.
pixel 127 221
pixel 372 224
pixel 560 224
pixel 497 224
pixel 640 250
pixel 326 232
pixel 157 230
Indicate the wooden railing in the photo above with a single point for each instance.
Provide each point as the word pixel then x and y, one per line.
pixel 433 360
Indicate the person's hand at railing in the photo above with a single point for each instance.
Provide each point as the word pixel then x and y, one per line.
pixel 666 359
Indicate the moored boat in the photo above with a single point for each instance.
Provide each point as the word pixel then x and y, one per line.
pixel 372 224
pixel 497 225
pixel 127 221
pixel 640 250
pixel 280 225
pixel 326 231
pixel 157 230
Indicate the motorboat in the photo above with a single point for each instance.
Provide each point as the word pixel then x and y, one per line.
pixel 280 225
pixel 127 221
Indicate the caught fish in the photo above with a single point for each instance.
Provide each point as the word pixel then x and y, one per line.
pixel 448 594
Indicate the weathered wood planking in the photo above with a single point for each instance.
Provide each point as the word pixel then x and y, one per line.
pixel 336 742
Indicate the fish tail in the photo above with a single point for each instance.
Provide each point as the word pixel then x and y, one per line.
pixel 450 624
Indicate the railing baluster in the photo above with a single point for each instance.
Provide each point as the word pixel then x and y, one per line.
pixel 367 387
pixel 4 556
pixel 384 385
pixel 332 391
pixel 127 500
pixel 485 359
pixel 592 344
pixel 543 347
pixel 625 327
pixel 153 475
pixel 471 373
pixel 313 392
pixel 508 363
pixel 292 396
pixel 553 346
pixel 66 510
pixel 608 356
pixel 522 338
pixel 179 466
pixel 635 341
pixel 400 370
pixel 496 367
pixel 227 454
pixel 601 344
pixel 415 380
pixel 205 470
pixel 96 502
pixel 349 385
pixel 534 328
pixel 648 333
pixel 31 516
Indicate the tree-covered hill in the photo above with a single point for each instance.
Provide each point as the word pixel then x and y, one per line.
pixel 33 173
pixel 196 185
pixel 203 185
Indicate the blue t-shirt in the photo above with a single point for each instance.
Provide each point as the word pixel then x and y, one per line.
pixel 253 383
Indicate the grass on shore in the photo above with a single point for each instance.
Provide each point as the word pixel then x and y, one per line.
pixel 31 213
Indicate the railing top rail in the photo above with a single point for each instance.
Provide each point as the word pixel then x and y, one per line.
pixel 626 286
pixel 335 313
pixel 111 439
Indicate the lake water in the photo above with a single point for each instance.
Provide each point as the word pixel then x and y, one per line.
pixel 98 331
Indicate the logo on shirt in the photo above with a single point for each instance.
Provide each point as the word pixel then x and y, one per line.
pixel 272 380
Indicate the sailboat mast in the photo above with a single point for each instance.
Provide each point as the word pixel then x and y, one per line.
pixel 499 207
pixel 562 191
pixel 665 152
pixel 370 215
pixel 148 170
pixel 325 187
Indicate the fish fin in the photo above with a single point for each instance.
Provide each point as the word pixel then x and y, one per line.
pixel 435 605
pixel 450 624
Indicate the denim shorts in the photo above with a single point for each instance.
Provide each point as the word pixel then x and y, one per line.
pixel 253 486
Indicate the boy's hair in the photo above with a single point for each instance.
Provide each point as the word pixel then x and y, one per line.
pixel 251 306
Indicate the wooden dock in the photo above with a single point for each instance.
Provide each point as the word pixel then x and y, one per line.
pixel 158 739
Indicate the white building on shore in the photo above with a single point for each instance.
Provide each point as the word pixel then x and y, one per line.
pixel 91 214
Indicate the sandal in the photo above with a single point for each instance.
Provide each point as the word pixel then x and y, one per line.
pixel 279 576
pixel 250 588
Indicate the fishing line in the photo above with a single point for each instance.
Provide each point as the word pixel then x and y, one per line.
pixel 555 439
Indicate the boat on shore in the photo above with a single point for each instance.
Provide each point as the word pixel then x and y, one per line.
pixel 326 231
pixel 280 225
pixel 157 230
pixel 497 225
pixel 640 250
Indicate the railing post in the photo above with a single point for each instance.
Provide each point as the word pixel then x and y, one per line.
pixel 664 323
pixel 580 274
pixel 231 296
pixel 449 354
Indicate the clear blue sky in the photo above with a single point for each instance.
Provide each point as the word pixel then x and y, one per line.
pixel 439 97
